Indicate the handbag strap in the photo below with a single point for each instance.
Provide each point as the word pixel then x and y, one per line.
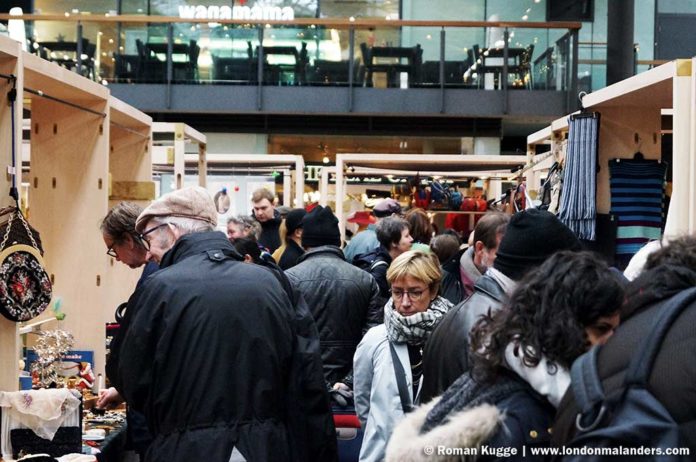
pixel 404 395
pixel 5 238
pixel 12 99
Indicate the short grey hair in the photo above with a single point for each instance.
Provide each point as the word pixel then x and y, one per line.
pixel 247 223
pixel 184 224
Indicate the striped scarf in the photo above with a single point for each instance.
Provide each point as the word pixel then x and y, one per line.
pixel 578 208
pixel 414 329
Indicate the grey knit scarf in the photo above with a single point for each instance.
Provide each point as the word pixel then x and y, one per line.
pixel 466 393
pixel 414 329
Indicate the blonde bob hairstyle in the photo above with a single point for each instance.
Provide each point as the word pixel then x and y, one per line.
pixel 422 266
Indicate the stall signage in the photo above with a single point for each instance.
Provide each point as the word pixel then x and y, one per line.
pixel 256 12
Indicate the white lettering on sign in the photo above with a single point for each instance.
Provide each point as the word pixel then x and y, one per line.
pixel 256 12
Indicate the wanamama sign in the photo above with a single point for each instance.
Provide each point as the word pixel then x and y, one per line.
pixel 237 12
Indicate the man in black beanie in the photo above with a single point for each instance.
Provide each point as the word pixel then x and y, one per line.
pixel 531 237
pixel 343 299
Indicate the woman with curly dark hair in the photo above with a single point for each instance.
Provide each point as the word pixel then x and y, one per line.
pixel 520 360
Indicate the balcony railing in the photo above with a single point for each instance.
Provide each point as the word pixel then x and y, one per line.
pixel 341 52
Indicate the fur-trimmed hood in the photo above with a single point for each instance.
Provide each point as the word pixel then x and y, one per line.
pixel 469 428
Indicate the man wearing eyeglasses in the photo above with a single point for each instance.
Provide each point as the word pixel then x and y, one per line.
pixel 124 245
pixel 210 354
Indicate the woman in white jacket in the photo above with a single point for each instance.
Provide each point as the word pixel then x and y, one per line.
pixel 410 315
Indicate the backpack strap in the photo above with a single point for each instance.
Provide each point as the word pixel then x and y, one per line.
pixel 587 388
pixel 641 365
pixel 404 395
pixel 377 263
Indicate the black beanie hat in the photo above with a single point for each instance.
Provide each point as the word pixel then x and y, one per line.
pixel 530 238
pixel 294 220
pixel 320 227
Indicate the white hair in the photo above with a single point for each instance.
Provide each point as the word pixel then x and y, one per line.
pixel 184 224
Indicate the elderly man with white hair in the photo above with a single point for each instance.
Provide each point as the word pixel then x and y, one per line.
pixel 210 356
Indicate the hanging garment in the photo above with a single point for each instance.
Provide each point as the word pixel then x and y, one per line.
pixel 637 194
pixel 578 208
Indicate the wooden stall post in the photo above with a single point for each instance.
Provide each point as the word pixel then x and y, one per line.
pixel 681 216
pixel 287 188
pixel 202 165
pixel 69 194
pixel 10 64
pixel 299 180
pixel 130 168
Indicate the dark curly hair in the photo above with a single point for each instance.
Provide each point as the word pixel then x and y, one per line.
pixel 679 252
pixel 546 316
pixel 667 271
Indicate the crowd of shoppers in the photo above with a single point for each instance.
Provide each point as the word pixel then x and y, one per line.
pixel 230 356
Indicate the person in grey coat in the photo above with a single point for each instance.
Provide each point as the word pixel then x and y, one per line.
pixel 410 315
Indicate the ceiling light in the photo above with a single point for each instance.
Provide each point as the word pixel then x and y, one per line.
pixel 326 159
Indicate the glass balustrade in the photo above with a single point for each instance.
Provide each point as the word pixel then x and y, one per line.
pixel 388 54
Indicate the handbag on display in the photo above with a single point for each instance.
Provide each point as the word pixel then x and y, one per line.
pixel 25 287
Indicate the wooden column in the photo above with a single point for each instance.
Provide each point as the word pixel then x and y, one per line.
pixel 10 63
pixel 69 197
pixel 681 216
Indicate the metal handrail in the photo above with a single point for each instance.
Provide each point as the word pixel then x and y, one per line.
pixel 336 23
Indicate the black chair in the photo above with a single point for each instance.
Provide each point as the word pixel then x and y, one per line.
pixel 187 71
pixel 126 68
pixel 523 69
pixel 150 69
pixel 88 64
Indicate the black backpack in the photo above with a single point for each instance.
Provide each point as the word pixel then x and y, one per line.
pixel 369 261
pixel 631 419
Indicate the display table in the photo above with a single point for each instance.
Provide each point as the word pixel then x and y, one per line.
pixel 112 447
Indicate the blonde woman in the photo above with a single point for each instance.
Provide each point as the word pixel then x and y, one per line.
pixel 410 315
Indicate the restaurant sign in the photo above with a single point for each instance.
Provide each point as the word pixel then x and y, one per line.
pixel 256 12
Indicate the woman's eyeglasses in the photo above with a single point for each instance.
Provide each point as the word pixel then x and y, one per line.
pixel 413 295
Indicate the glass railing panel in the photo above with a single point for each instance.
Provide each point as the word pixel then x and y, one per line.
pixel 551 60
pixel 54 41
pixel 313 54
pixel 227 54
pixel 461 69
pixel 385 61
pixel 592 66
pixel 328 56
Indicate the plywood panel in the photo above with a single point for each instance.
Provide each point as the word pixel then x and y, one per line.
pixel 69 181
pixel 133 191
pixel 130 156
pixel 10 63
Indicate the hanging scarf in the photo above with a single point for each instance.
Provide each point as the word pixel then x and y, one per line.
pixel 414 329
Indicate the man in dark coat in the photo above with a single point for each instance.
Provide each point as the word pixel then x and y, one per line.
pixel 268 217
pixel 343 299
pixel 531 237
pixel 209 355
pixel 667 272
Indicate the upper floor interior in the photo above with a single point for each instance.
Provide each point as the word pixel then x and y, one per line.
pixel 526 59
